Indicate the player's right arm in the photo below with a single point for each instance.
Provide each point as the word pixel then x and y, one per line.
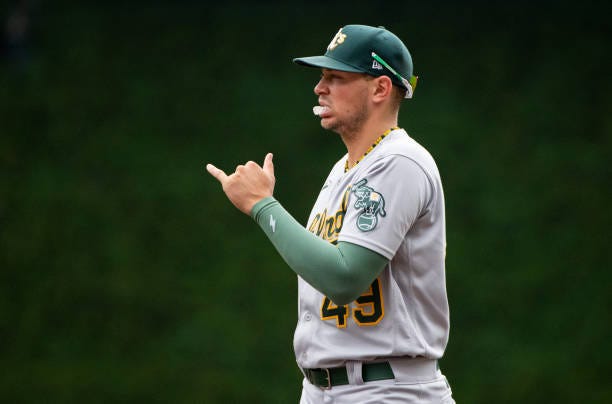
pixel 341 272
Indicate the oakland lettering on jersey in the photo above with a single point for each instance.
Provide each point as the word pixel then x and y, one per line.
pixel 328 226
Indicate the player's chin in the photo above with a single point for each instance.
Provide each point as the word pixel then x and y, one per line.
pixel 327 123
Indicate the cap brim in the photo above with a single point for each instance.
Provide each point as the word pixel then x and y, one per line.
pixel 325 62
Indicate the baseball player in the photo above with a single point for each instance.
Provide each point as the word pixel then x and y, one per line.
pixel 373 316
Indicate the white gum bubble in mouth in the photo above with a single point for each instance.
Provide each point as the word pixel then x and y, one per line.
pixel 318 110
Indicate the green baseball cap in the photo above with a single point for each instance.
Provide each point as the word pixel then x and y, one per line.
pixel 370 50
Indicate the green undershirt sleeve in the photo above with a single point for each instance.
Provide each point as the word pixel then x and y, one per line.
pixel 341 272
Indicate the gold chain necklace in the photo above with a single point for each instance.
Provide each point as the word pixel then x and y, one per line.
pixel 380 138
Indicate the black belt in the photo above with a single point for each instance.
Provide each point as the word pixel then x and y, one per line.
pixel 328 377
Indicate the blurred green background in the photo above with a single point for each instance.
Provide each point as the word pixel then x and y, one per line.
pixel 126 275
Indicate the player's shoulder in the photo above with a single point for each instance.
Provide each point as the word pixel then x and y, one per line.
pixel 400 143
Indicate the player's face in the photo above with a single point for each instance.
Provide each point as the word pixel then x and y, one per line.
pixel 345 96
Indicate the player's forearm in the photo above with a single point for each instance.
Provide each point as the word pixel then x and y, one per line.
pixel 340 272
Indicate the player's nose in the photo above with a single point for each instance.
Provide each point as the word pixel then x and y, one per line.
pixel 320 88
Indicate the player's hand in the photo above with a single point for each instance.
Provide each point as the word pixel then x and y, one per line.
pixel 249 184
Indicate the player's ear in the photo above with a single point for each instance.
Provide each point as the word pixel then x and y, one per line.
pixel 382 88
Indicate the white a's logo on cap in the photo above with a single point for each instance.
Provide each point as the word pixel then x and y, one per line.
pixel 338 39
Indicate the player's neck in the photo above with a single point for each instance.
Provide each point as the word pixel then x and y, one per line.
pixel 358 143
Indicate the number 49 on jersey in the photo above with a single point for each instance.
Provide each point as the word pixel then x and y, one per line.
pixel 369 311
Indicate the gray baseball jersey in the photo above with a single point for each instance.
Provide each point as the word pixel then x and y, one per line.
pixel 392 203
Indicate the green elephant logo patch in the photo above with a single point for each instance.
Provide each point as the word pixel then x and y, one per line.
pixel 371 203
